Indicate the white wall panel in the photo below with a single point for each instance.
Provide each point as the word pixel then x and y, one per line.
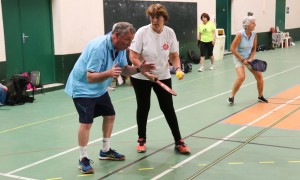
pixel 264 11
pixel 292 18
pixel 75 23
pixel 2 44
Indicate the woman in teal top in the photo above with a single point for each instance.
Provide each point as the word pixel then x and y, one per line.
pixel 243 48
pixel 206 40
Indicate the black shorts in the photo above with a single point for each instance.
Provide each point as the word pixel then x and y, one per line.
pixel 206 46
pixel 90 108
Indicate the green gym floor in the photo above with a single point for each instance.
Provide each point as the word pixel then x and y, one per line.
pixel 246 141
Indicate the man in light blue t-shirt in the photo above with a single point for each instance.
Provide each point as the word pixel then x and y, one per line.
pixel 103 59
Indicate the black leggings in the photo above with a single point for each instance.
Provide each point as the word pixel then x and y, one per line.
pixel 142 90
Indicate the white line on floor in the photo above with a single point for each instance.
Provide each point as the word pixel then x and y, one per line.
pixel 223 140
pixel 132 127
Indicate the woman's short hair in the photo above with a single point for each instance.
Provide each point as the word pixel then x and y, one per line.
pixel 247 20
pixel 157 10
pixel 205 15
pixel 123 27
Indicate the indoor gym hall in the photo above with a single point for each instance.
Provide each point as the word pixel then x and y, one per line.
pixel 246 141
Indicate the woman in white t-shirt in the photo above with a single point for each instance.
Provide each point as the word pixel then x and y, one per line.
pixel 157 44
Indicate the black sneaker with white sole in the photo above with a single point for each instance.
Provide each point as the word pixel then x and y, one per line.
pixel 231 100
pixel 262 99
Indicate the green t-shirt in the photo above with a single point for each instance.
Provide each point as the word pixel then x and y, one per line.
pixel 207 31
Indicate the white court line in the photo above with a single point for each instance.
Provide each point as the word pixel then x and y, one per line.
pixel 132 127
pixel 16 177
pixel 223 140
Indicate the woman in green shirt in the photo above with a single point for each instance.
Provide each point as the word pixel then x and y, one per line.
pixel 206 40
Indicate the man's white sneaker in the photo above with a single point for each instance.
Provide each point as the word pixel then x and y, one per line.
pixel 201 69
pixel 212 67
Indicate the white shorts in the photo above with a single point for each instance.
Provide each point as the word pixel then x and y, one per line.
pixel 237 62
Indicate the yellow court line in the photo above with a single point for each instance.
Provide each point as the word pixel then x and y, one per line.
pixel 42 121
pixel 294 161
pixel 267 162
pixel 202 164
pixel 57 178
pixel 238 147
pixel 31 124
pixel 145 169
pixel 235 163
pixel 82 175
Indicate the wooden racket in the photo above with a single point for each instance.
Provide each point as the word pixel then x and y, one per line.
pixel 165 87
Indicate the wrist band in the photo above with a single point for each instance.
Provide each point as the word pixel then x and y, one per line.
pixel 137 69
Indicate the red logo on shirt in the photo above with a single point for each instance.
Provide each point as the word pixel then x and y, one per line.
pixel 165 46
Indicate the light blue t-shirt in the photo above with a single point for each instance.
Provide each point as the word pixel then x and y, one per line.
pixel 245 46
pixel 96 57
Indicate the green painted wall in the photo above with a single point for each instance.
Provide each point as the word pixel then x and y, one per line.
pixel 265 39
pixel 223 18
pixel 2 70
pixel 63 66
pixel 280 14
pixel 294 33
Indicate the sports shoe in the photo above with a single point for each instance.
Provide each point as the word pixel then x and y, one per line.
pixel 262 99
pixel 85 166
pixel 212 67
pixel 201 69
pixel 111 155
pixel 141 147
pixel 181 147
pixel 231 100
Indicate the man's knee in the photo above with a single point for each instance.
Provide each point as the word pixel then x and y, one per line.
pixel 85 126
pixel 109 118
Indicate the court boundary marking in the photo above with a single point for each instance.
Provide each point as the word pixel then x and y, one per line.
pixel 57 117
pixel 148 155
pixel 221 141
pixel 243 144
pixel 236 141
pixel 16 177
pixel 34 123
pixel 151 120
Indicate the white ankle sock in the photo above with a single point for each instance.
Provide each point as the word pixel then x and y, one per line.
pixel 106 144
pixel 83 152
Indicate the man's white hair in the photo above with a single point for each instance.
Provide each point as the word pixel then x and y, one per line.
pixel 247 20
pixel 123 27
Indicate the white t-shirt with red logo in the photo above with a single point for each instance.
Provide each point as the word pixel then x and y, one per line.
pixel 155 48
